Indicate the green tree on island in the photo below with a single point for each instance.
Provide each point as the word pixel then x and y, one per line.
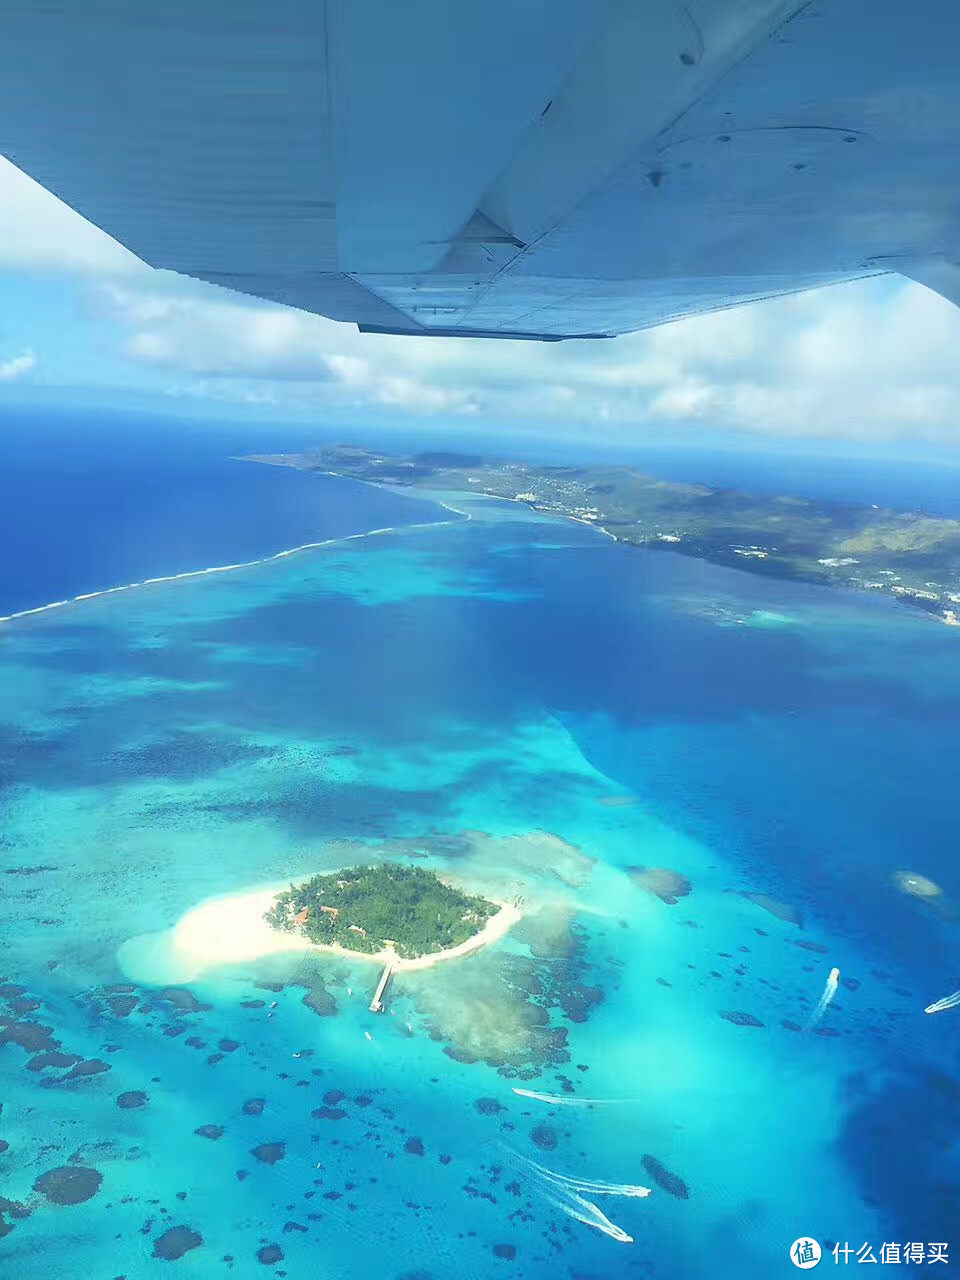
pixel 364 908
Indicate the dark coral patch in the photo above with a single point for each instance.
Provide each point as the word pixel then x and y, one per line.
pixel 12 1208
pixel 740 1019
pixel 321 1002
pixel 175 1242
pixel 333 1096
pixel 782 910
pixel 578 999
pixel 269 1254
pixel 133 1098
pixel 30 1036
pixel 254 1106
pixel 180 998
pixel 413 1147
pixel 544 1136
pixel 87 1067
pixel 667 1181
pixel 270 1152
pixel 459 1054
pixel 212 1131
pixel 44 1060
pixel 506 1251
pixel 69 1184
pixel 122 1006
pixel 329 1113
pixel 228 1046
pixel 25 1004
pixel 489 1106
pixel 667 885
pixel 183 755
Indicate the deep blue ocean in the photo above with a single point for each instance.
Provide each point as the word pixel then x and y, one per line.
pixel 709 789
pixel 96 501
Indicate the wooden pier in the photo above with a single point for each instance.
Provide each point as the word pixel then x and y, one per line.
pixel 376 1004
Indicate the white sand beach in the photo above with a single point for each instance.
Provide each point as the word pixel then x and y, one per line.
pixel 231 930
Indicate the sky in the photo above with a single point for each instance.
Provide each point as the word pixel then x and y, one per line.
pixel 82 319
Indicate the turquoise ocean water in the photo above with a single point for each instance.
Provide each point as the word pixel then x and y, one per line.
pixel 536 710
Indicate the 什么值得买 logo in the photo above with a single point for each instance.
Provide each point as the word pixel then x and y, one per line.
pixel 805 1253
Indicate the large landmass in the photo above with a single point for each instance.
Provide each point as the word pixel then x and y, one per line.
pixel 407 909
pixel 909 555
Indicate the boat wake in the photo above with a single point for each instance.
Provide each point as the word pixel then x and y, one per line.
pixel 948 1002
pixel 829 991
pixel 569 1194
pixel 569 1100
pixel 585 1211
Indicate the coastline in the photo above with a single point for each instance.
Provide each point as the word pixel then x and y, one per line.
pixel 231 930
pixel 912 598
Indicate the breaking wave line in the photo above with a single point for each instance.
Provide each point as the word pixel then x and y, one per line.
pixel 948 1002
pixel 218 568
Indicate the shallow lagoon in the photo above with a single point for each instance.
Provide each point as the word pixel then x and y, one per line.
pixel 446 693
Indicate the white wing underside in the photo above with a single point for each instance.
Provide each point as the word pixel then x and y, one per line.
pixel 534 168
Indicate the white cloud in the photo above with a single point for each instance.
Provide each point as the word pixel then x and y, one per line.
pixel 39 231
pixel 210 333
pixel 872 360
pixel 16 366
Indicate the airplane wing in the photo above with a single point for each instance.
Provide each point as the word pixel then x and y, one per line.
pixel 517 168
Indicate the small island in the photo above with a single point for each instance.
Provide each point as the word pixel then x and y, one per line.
pixel 405 910
pixel 402 917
